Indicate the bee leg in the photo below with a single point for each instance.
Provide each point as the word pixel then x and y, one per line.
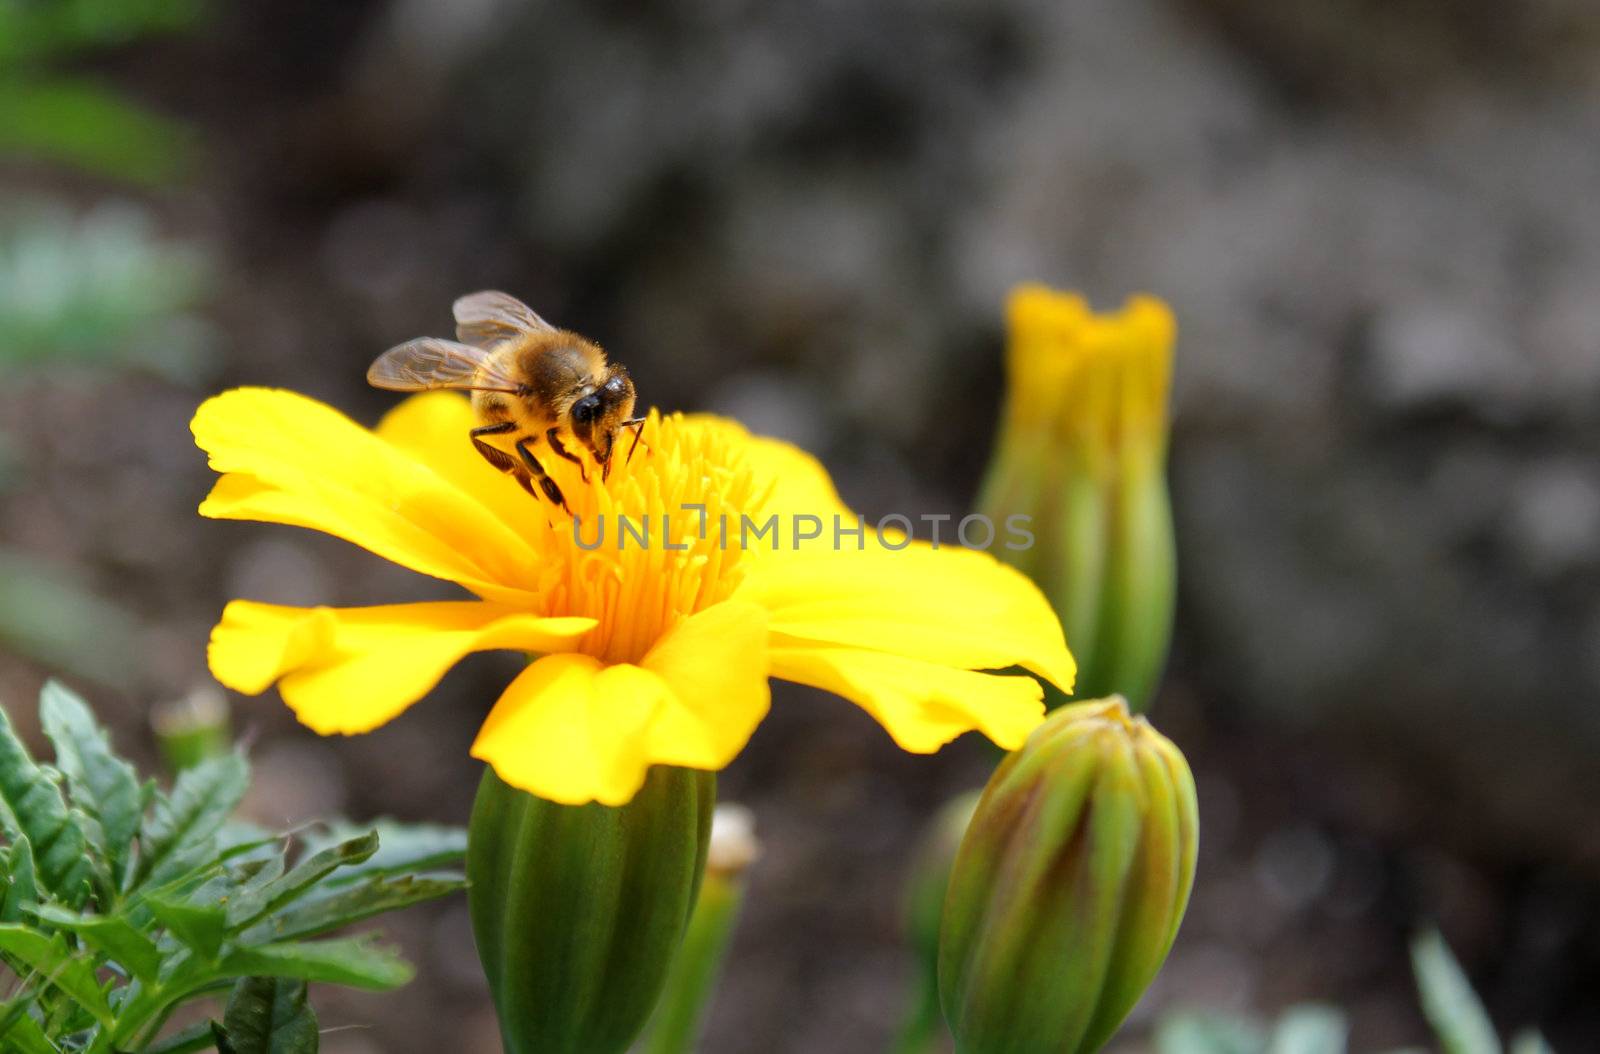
pixel 499 458
pixel 546 484
pixel 494 455
pixel 561 451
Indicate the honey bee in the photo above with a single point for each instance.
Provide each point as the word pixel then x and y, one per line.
pixel 528 379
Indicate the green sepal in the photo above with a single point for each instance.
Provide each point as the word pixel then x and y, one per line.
pixel 578 910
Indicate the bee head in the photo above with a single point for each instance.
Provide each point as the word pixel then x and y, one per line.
pixel 596 418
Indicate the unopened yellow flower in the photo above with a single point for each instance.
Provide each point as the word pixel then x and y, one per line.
pixel 647 654
pixel 1081 452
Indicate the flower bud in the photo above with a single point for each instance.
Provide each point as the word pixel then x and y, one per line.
pixel 578 910
pixel 194 728
pixel 1081 452
pixel 1069 886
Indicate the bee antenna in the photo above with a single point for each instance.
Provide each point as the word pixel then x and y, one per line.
pixel 638 430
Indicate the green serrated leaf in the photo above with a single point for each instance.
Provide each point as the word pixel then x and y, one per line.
pixel 200 926
pixel 402 848
pixel 22 885
pixel 1310 1029
pixel 101 783
pixel 187 1041
pixel 258 901
pixel 8 821
pixel 50 957
pixel 350 904
pixel 41 813
pixel 270 1015
pixel 1448 1001
pixel 20 1033
pixel 353 961
pixel 181 826
pixel 112 934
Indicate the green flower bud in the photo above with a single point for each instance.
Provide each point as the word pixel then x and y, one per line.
pixel 1069 885
pixel 1082 451
pixel 194 728
pixel 578 910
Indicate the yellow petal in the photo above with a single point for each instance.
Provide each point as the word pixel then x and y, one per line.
pixel 715 662
pixel 949 606
pixel 352 669
pixel 922 705
pixel 289 459
pixel 572 729
pixel 432 427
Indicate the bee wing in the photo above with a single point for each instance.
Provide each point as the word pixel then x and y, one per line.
pixel 486 318
pixel 429 362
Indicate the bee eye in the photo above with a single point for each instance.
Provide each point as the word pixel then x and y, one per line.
pixel 585 410
pixel 615 385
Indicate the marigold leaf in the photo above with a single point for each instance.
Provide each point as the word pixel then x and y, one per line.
pixel 114 935
pixel 180 827
pixel 41 814
pixel 102 784
pixel 21 884
pixel 1310 1029
pixel 350 904
pixel 402 847
pixel 249 907
pixel 270 1015
pixel 353 961
pixel 188 1041
pixel 57 965
pixel 1208 1033
pixel 200 926
pixel 21 1033
pixel 1448 1001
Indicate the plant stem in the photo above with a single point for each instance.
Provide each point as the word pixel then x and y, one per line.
pixel 675 1028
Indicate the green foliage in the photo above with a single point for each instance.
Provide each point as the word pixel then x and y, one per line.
pixel 1459 1021
pixel 64 118
pixel 1448 1001
pixel 48 615
pixel 121 902
pixel 99 288
pixel 267 1015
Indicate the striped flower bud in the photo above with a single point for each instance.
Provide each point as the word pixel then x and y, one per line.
pixel 1069 886
pixel 1081 452
pixel 578 910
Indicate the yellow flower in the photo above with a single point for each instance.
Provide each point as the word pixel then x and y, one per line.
pixel 1082 451
pixel 646 653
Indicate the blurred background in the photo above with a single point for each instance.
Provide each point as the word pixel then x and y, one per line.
pixel 1378 224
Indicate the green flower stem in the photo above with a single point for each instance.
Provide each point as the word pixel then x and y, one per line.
pixel 924 1026
pixel 693 979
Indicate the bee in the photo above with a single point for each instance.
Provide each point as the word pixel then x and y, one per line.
pixel 528 380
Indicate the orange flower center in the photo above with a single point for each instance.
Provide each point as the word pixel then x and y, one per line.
pixel 654 543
